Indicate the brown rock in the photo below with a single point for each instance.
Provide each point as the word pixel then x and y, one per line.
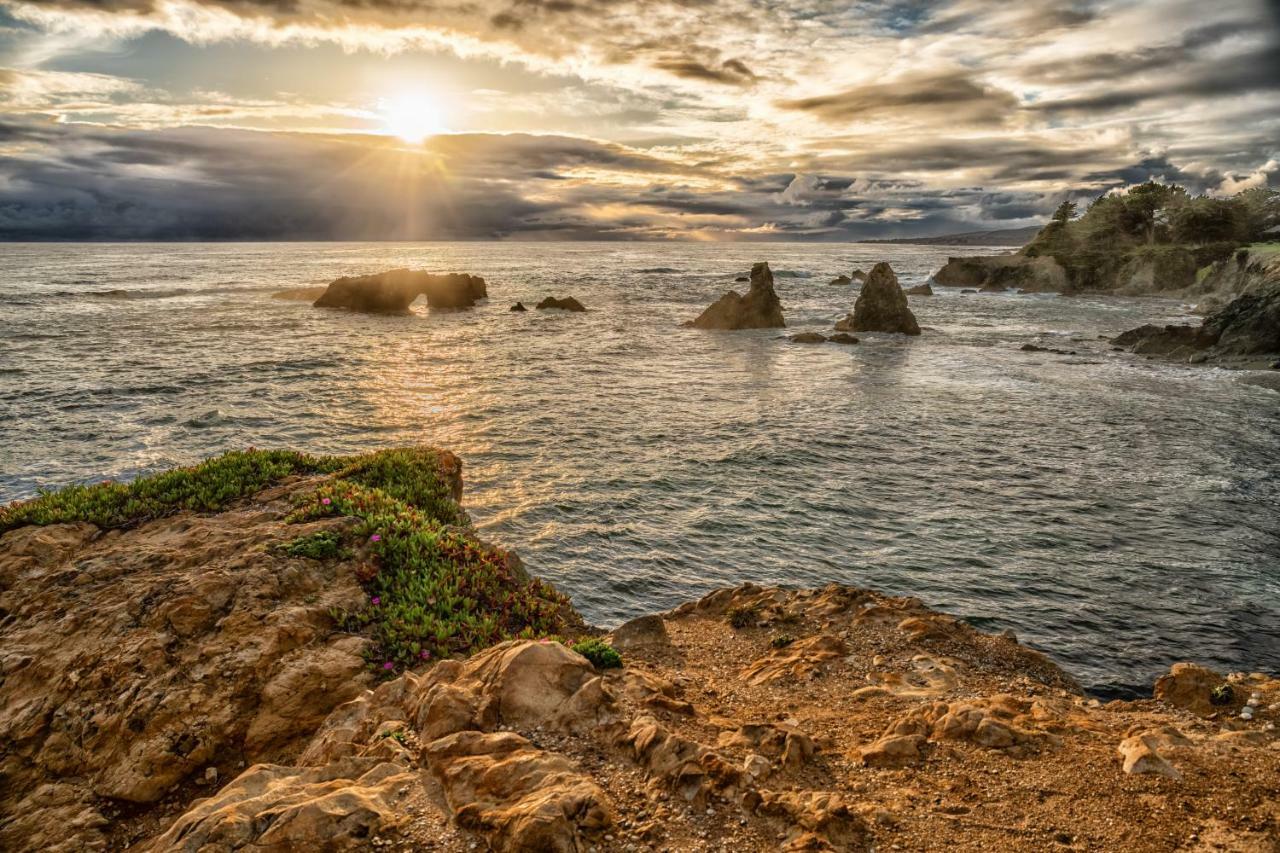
pixel 394 291
pixel 808 338
pixel 639 633
pixel 519 797
pixel 919 290
pixel 881 306
pixel 759 309
pixel 268 807
pixel 1189 686
pixel 566 304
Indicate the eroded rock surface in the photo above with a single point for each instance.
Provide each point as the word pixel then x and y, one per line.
pixel 754 719
pixel 881 306
pixel 759 309
pixel 394 291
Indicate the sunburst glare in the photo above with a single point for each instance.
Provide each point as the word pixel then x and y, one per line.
pixel 411 116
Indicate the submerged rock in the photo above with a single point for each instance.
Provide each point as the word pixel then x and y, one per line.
pixel 394 291
pixel 841 338
pixel 859 275
pixel 519 306
pixel 842 279
pixel 808 338
pixel 566 304
pixel 1038 348
pixel 759 309
pixel 881 306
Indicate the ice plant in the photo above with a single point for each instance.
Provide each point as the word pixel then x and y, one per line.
pixel 388 665
pixel 375 538
pixel 376 600
pixel 326 501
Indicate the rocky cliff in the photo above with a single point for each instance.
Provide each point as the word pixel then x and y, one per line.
pixel 281 652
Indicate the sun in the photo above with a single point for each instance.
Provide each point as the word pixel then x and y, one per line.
pixel 412 117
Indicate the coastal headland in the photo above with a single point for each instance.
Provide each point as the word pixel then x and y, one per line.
pixel 278 651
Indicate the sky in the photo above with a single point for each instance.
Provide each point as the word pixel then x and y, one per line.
pixel 617 119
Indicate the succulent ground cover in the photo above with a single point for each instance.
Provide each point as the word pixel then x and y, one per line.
pixel 434 589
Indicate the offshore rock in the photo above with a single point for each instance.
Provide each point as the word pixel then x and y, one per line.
pixel 394 291
pixel 881 306
pixel 920 290
pixel 759 309
pixel 566 304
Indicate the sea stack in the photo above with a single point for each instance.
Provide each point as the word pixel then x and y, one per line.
pixel 392 292
pixel 881 306
pixel 759 309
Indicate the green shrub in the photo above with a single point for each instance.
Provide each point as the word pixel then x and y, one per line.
pixel 782 641
pixel 601 654
pixel 1222 695
pixel 324 545
pixel 211 486
pixel 433 588
pixel 437 590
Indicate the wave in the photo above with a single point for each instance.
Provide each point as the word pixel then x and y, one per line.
pixel 120 294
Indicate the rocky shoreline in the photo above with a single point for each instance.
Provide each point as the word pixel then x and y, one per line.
pixel 224 658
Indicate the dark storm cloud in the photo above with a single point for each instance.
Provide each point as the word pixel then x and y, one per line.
pixel 109 184
pixel 732 72
pixel 1257 70
pixel 955 96
pixel 1118 65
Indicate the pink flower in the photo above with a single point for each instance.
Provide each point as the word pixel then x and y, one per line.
pixel 388 665
pixel 424 654
pixel 375 538
pixel 325 501
pixel 376 600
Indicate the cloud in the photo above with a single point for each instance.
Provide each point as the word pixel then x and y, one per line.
pixel 732 72
pixel 954 96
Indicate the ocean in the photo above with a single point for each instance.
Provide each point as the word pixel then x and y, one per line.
pixel 1116 513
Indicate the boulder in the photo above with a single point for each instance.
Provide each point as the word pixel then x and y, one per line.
pixel 1189 686
pixel 1248 324
pixel 842 279
pixel 881 306
pixel 1171 341
pixel 759 309
pixel 920 290
pixel 808 338
pixel 394 291
pixel 566 304
pixel 519 306
pixel 642 632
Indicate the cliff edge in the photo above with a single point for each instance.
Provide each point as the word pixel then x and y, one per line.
pixel 273 651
